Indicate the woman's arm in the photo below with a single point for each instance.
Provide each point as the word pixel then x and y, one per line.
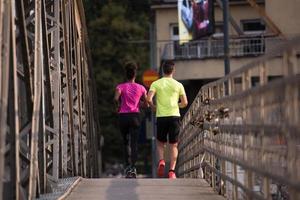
pixel 143 101
pixel 117 99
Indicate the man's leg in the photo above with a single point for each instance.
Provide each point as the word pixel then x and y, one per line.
pixel 173 155
pixel 160 149
pixel 173 141
pixel 161 163
pixel 161 141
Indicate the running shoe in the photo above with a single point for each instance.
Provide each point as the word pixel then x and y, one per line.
pixel 133 172
pixel 130 172
pixel 161 168
pixel 172 175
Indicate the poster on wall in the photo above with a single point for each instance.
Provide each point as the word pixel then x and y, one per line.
pixel 195 19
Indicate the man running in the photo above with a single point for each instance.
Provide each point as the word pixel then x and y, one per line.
pixel 127 98
pixel 168 91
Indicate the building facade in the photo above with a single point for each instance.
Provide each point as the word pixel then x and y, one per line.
pixel 256 26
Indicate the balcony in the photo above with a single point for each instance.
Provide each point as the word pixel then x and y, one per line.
pixel 214 48
pixel 232 2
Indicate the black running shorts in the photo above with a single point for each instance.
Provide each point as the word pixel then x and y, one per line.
pixel 168 128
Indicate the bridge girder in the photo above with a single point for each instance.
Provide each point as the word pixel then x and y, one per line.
pixel 49 128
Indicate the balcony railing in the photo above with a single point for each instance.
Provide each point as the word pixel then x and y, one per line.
pixel 214 48
pixel 155 2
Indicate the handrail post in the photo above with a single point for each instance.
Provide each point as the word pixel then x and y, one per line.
pixel 226 36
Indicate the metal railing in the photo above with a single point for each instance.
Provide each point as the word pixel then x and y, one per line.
pixel 241 133
pixel 214 48
pixel 48 123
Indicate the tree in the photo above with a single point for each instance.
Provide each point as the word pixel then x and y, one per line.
pixel 111 27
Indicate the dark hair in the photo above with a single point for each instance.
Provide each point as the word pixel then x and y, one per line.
pixel 130 70
pixel 168 67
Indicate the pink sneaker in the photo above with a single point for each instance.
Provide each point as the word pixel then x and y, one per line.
pixel 172 175
pixel 161 168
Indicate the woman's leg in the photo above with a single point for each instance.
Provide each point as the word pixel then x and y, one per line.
pixel 126 148
pixel 125 135
pixel 134 136
pixel 134 133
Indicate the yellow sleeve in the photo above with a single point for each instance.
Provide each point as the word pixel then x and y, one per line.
pixel 153 87
pixel 181 90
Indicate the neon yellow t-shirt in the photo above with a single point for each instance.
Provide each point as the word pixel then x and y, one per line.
pixel 167 92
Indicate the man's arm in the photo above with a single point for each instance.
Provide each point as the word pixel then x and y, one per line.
pixel 150 99
pixel 143 101
pixel 183 101
pixel 117 99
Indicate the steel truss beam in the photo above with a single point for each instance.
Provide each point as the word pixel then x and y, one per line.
pixel 48 126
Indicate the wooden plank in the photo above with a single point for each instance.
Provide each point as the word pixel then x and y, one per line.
pixel 143 189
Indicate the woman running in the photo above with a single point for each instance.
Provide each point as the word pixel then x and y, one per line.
pixel 127 98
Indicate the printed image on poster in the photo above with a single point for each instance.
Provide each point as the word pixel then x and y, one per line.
pixel 185 20
pixel 203 20
pixel 195 19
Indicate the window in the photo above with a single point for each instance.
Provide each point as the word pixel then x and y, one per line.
pixel 219 32
pixel 253 26
pixel 174 32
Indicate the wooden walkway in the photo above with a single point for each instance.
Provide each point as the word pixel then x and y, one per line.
pixel 143 189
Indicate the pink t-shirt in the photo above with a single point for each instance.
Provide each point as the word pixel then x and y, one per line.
pixel 130 97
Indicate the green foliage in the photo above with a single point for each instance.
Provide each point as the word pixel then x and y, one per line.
pixel 111 27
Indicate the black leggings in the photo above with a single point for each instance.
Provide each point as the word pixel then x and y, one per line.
pixel 129 126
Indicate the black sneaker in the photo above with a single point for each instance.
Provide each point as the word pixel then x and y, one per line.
pixel 131 173
pixel 127 170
